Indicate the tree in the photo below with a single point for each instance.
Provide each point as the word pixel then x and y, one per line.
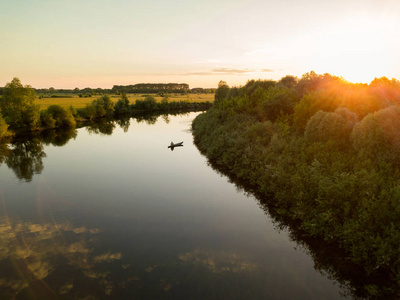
pixel 288 81
pixel 17 105
pixel 122 106
pixel 99 108
pixel 222 92
pixel 336 126
pixel 3 127
pixel 62 117
pixel 377 136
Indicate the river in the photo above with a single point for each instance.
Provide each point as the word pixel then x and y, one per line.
pixel 109 212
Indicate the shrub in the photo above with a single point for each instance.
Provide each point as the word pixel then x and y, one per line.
pixel 3 127
pixel 122 105
pixel 377 136
pixel 310 104
pixel 336 126
pixel 62 117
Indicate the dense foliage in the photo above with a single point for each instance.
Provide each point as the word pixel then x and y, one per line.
pixel 17 105
pixel 327 151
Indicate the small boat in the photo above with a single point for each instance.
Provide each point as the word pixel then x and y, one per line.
pixel 173 145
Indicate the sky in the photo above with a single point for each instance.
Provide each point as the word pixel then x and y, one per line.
pixel 101 43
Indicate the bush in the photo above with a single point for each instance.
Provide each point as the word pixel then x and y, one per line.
pixel 47 120
pixel 99 108
pixel 122 105
pixel 377 136
pixel 336 126
pixel 310 104
pixel 3 127
pixel 149 103
pixel 61 116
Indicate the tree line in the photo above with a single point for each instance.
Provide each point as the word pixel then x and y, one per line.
pixel 324 153
pixel 154 88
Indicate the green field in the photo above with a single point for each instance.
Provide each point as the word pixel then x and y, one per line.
pixel 78 102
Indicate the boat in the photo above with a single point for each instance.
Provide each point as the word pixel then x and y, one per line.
pixel 173 145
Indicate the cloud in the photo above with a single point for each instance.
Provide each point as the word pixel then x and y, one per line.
pixel 209 61
pixel 228 71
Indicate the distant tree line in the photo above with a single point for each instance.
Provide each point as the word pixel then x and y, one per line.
pixel 148 88
pixel 151 88
pixel 324 153
pixel 202 91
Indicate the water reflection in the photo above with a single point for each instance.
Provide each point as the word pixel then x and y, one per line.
pixel 123 121
pixel 101 126
pixel 25 153
pixel 217 262
pixel 49 260
pixel 32 255
pixel 25 157
pixel 135 231
pixel 328 258
pixel 57 137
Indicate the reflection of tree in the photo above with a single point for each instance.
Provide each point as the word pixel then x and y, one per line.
pixel 328 258
pixel 166 118
pixel 4 151
pixel 24 155
pixel 149 118
pixel 25 158
pixel 123 121
pixel 101 126
pixel 58 137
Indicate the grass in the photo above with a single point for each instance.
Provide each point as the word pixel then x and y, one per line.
pixel 77 102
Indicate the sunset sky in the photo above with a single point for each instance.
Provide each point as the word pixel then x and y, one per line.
pixel 99 43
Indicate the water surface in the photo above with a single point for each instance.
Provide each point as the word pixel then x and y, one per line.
pixel 109 212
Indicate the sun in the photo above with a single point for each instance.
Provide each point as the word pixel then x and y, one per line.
pixel 358 50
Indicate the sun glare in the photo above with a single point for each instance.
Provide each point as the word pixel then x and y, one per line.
pixel 358 50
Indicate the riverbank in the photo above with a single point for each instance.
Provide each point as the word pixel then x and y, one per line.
pixel 320 164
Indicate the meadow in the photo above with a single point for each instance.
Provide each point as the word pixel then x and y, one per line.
pixel 79 102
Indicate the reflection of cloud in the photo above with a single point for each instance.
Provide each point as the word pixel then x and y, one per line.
pixel 228 71
pixel 34 251
pixel 107 257
pixel 151 268
pixel 66 288
pixel 40 269
pixel 217 261
pixel 85 230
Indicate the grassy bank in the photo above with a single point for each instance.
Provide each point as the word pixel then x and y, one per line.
pixel 326 154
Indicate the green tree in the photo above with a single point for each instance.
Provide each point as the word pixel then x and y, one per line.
pixel 288 81
pixel 99 108
pixel 122 105
pixel 310 104
pixel 336 126
pixel 222 92
pixel 62 117
pixel 3 127
pixel 17 105
pixel 377 136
